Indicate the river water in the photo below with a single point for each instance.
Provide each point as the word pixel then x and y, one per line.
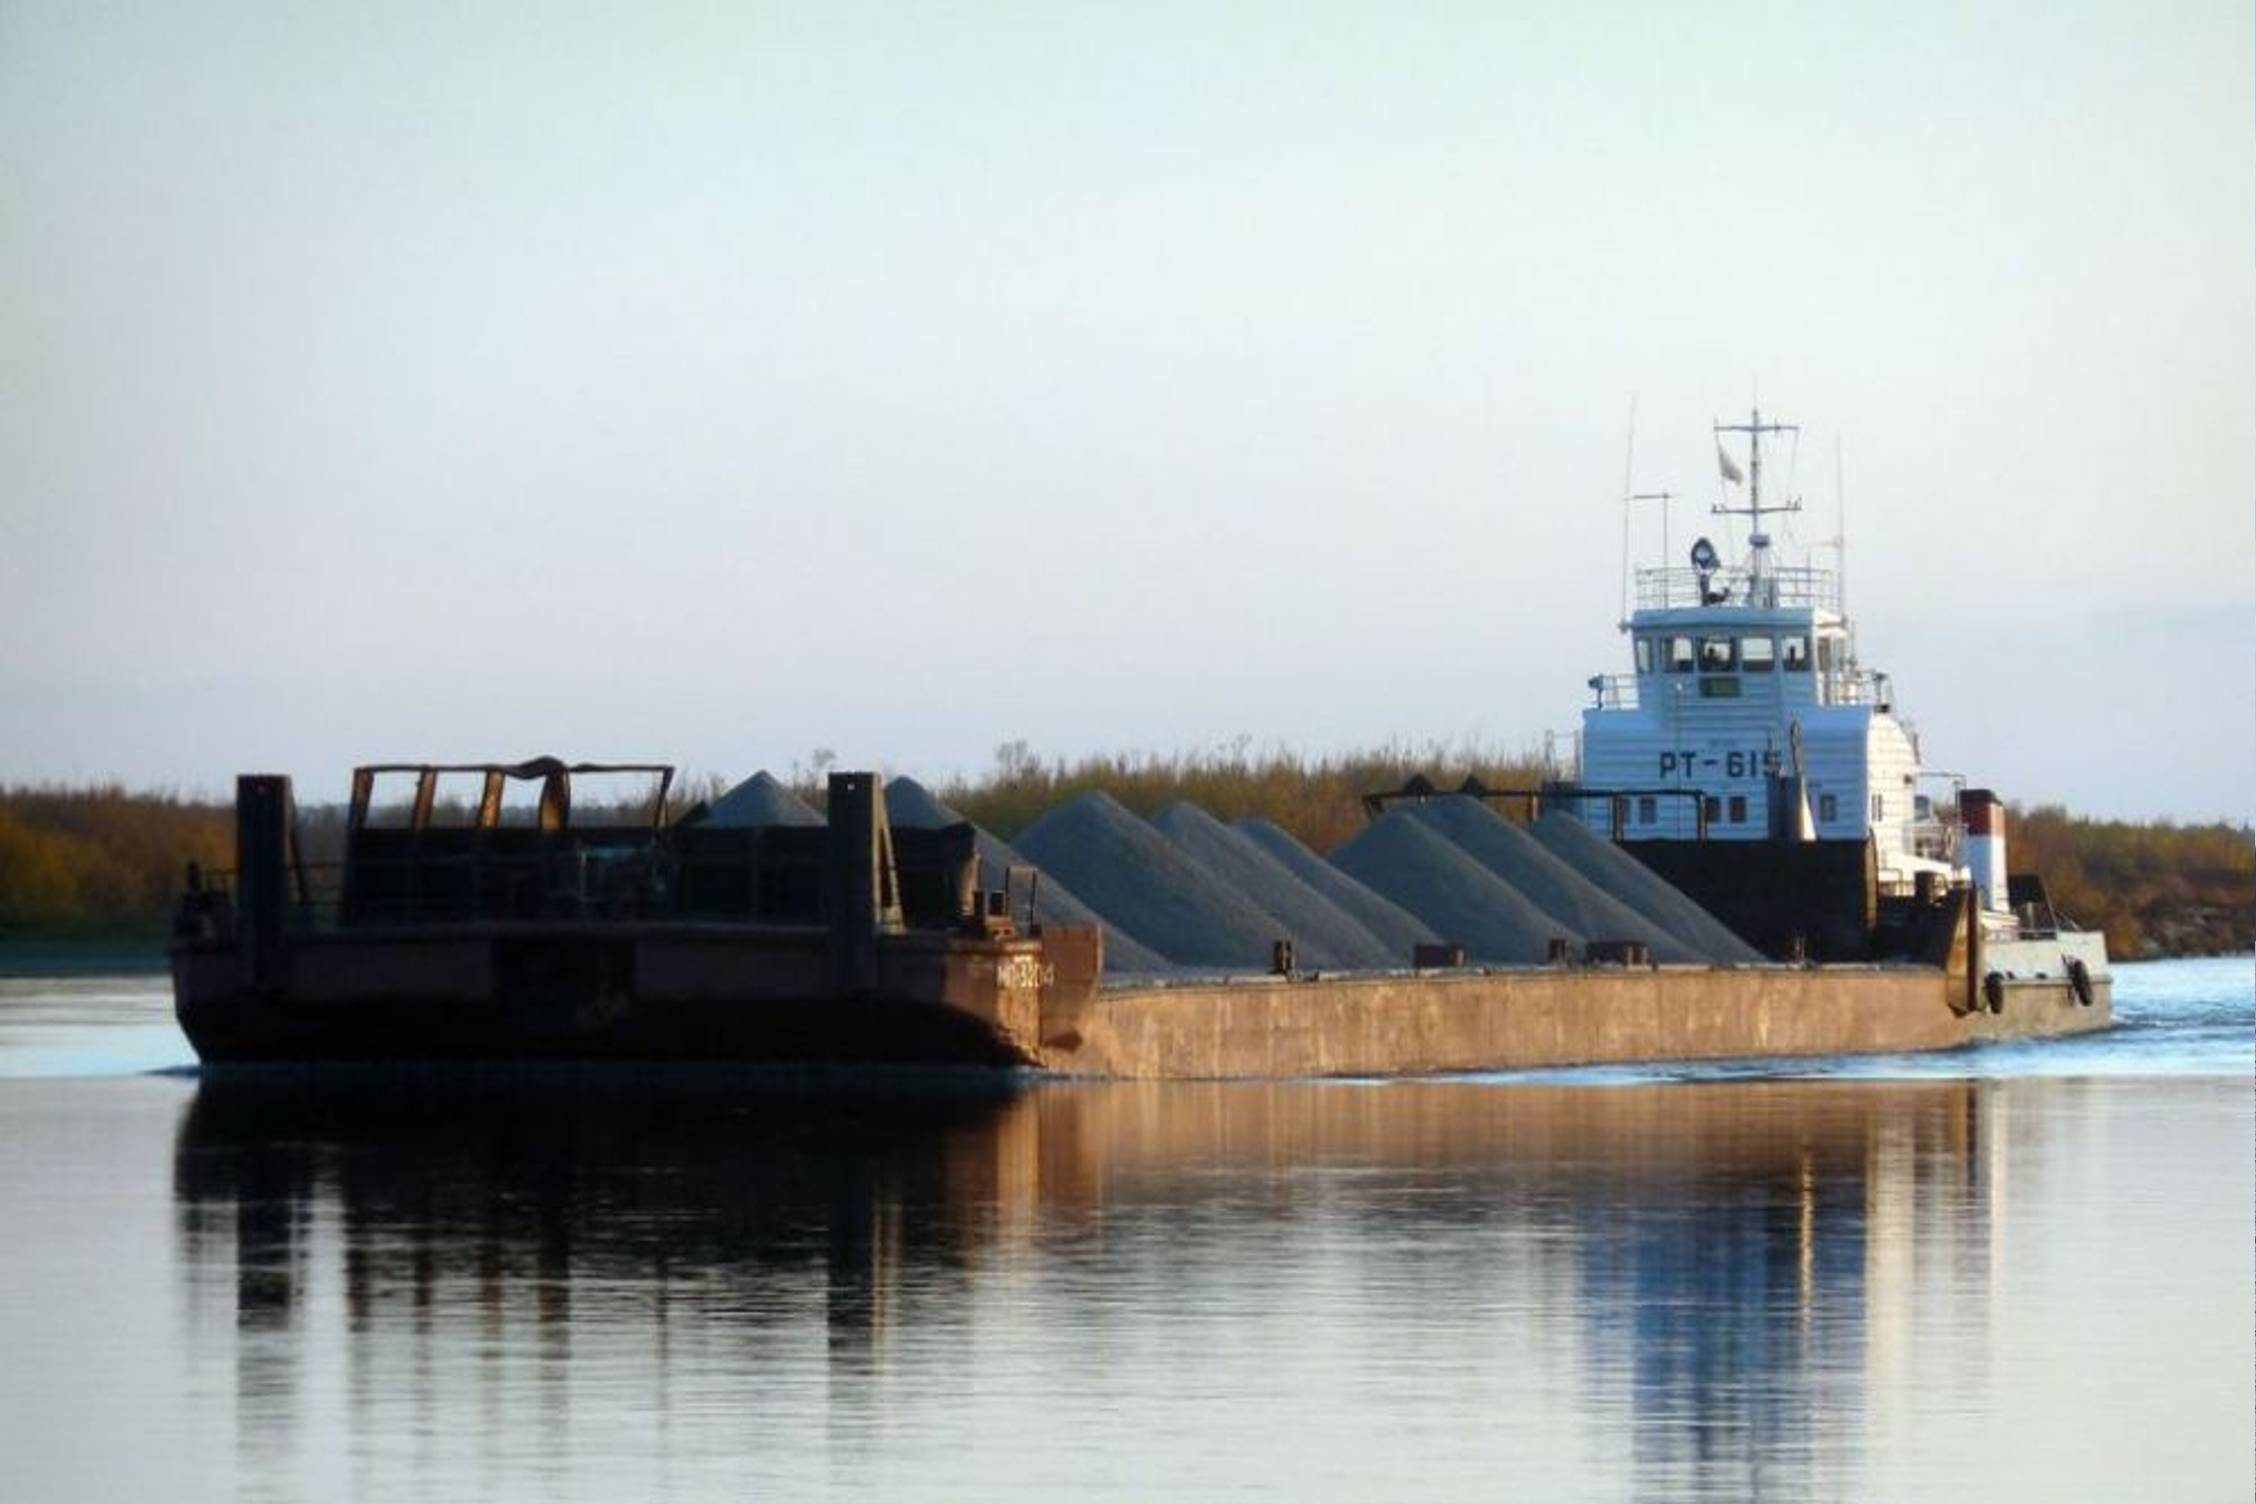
pixel 2009 1272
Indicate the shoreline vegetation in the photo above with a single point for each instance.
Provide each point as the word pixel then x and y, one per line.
pixel 91 871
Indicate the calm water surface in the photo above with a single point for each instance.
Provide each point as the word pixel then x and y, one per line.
pixel 2012 1272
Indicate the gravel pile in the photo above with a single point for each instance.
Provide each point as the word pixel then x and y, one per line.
pixel 760 800
pixel 1146 885
pixel 911 805
pixel 1398 930
pixel 1639 886
pixel 1324 936
pixel 1185 890
pixel 1406 860
pixel 1544 880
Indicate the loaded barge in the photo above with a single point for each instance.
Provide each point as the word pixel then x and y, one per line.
pixel 856 942
pixel 1749 771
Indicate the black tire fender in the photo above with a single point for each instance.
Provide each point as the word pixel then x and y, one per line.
pixel 1993 991
pixel 2079 980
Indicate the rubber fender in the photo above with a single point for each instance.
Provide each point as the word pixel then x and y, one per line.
pixel 1993 991
pixel 2079 980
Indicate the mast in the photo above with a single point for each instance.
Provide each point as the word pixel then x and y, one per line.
pixel 1840 537
pixel 1629 471
pixel 1762 589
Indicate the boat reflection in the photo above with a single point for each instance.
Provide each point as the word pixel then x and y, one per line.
pixel 1724 1271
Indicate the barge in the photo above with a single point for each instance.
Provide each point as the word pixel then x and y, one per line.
pixel 855 942
pixel 1749 764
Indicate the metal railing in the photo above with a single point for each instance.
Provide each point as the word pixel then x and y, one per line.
pixel 1834 687
pixel 1615 691
pixel 1853 686
pixel 1562 756
pixel 580 883
pixel 1664 589
pixel 573 883
pixel 1934 839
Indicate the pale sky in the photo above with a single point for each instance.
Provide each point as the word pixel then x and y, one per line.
pixel 719 383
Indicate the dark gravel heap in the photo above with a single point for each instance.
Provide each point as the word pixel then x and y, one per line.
pixel 1398 930
pixel 1142 882
pixel 1325 937
pixel 1545 881
pixel 910 804
pixel 1186 891
pixel 1639 886
pixel 1406 860
pixel 760 800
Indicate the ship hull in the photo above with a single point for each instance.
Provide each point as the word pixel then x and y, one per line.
pixel 606 993
pixel 642 999
pixel 573 972
pixel 1542 1018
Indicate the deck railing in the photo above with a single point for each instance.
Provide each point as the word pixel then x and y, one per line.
pixel 1834 687
pixel 1665 589
pixel 1615 691
pixel 771 875
pixel 455 888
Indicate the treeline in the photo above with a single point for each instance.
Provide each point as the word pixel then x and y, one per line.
pixel 99 862
pixel 102 862
pixel 2157 889
pixel 1319 799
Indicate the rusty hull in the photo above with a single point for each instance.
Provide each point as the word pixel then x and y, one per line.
pixel 676 992
pixel 728 993
pixel 1412 1024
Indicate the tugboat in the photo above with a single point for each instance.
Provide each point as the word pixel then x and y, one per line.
pixel 1754 761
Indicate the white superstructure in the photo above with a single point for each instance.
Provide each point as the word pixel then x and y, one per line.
pixel 1747 715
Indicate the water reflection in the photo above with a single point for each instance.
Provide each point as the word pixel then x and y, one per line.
pixel 1702 1290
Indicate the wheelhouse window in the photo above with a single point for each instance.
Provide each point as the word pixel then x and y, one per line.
pixel 1680 655
pixel 1718 655
pixel 1644 655
pixel 1645 810
pixel 1793 654
pixel 1757 654
pixel 1738 809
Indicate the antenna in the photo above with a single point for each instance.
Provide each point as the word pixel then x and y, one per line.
pixel 1840 532
pixel 1761 591
pixel 1629 465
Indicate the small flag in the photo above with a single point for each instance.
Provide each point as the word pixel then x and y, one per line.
pixel 1723 463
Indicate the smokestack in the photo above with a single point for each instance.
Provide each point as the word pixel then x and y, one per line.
pixel 1984 818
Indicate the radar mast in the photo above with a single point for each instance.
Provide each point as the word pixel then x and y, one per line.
pixel 1762 586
